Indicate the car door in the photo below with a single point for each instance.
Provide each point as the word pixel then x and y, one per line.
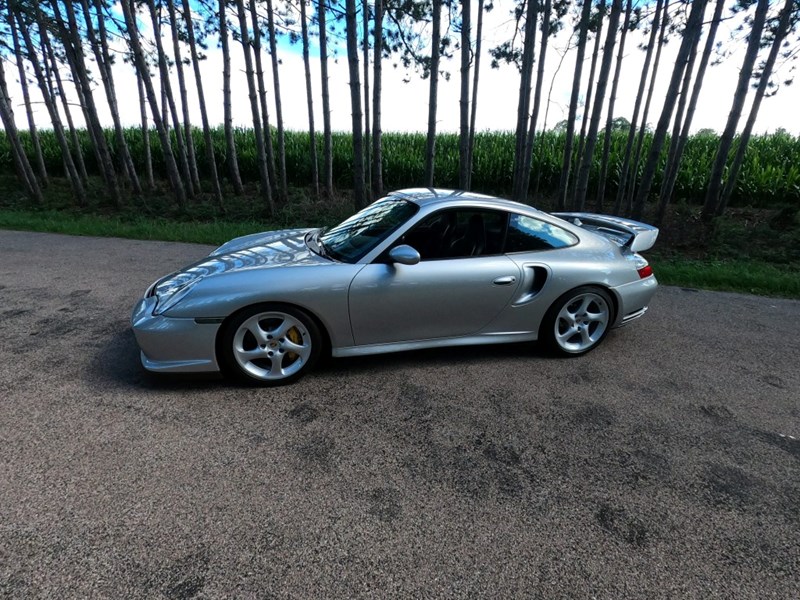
pixel 462 282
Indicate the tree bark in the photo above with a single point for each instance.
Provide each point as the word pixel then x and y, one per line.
pixel 674 163
pixel 50 103
pixel 26 97
pixel 172 109
pixel 626 157
pixel 377 142
pixel 273 48
pixel 148 155
pixel 587 105
pixel 642 130
pixel 231 159
pixel 73 49
pixel 433 92
pixel 582 185
pixel 475 78
pixel 712 202
pixel 763 83
pixel 208 142
pixel 524 99
pixel 141 67
pixel 327 136
pixel 266 189
pixel 563 183
pixel 601 184
pixel 351 23
pixel 690 36
pixel 187 122
pixel 312 139
pixel 537 99
pixel 365 52
pixel 262 95
pixel 21 164
pixel 464 166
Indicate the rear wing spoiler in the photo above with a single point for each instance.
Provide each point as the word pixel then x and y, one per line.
pixel 634 235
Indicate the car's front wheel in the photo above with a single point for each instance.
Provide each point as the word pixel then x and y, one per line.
pixel 269 344
pixel 578 321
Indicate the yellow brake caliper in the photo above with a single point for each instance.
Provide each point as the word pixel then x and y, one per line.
pixel 295 336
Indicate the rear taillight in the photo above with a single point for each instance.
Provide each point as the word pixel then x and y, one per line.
pixel 645 271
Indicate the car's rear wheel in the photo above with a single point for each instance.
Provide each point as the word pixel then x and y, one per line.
pixel 578 321
pixel 270 344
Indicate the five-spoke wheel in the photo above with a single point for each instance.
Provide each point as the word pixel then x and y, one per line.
pixel 270 344
pixel 578 321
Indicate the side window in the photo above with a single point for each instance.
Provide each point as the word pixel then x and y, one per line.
pixel 526 234
pixel 458 234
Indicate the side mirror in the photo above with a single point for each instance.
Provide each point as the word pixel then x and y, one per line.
pixel 404 254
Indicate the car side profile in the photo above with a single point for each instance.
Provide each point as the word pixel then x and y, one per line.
pixel 420 268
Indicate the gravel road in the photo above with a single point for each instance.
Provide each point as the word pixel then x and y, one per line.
pixel 666 464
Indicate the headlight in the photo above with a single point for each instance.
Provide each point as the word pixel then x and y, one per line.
pixel 173 289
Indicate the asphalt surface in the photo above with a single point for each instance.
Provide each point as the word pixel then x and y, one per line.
pixel 659 466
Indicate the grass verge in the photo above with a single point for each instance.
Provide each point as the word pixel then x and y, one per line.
pixel 736 275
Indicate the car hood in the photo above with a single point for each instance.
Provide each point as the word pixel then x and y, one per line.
pixel 286 248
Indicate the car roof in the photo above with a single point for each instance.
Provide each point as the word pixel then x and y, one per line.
pixel 428 196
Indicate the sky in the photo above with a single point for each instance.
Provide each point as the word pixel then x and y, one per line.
pixel 405 104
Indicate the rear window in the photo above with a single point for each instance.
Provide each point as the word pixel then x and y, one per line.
pixel 526 234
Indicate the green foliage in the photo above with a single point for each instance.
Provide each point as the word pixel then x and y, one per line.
pixel 770 175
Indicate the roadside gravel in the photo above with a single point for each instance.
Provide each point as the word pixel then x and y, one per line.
pixel 666 464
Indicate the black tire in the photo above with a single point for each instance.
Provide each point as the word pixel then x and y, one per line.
pixel 578 321
pixel 269 344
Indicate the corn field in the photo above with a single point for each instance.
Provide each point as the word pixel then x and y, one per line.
pixel 770 175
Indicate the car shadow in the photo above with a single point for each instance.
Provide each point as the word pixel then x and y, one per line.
pixel 117 364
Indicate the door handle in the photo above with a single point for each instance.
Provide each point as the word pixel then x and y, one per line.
pixel 505 280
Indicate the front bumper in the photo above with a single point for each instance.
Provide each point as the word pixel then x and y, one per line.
pixel 173 345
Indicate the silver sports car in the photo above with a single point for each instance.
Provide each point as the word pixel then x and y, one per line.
pixel 420 268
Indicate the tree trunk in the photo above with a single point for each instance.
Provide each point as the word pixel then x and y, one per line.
pixel 26 97
pixel 51 68
pixel 587 105
pixel 103 59
pixel 601 184
pixel 626 157
pixel 262 95
pixel 231 159
pixel 273 48
pixel 524 100
pixel 266 189
pixel 52 109
pixel 640 139
pixel 327 137
pixel 712 202
pixel 763 83
pixel 582 185
pixel 475 78
pixel 537 99
pixel 433 93
pixel 464 166
pixel 208 142
pixel 691 34
pixel 563 183
pixel 21 164
pixel 187 122
pixel 148 157
pixel 377 142
pixel 163 134
pixel 351 22
pixel 172 109
pixel 312 139
pixel 365 52
pixel 73 49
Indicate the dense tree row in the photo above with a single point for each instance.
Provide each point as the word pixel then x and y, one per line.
pixel 69 50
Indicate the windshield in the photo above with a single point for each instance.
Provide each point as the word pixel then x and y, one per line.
pixel 352 239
